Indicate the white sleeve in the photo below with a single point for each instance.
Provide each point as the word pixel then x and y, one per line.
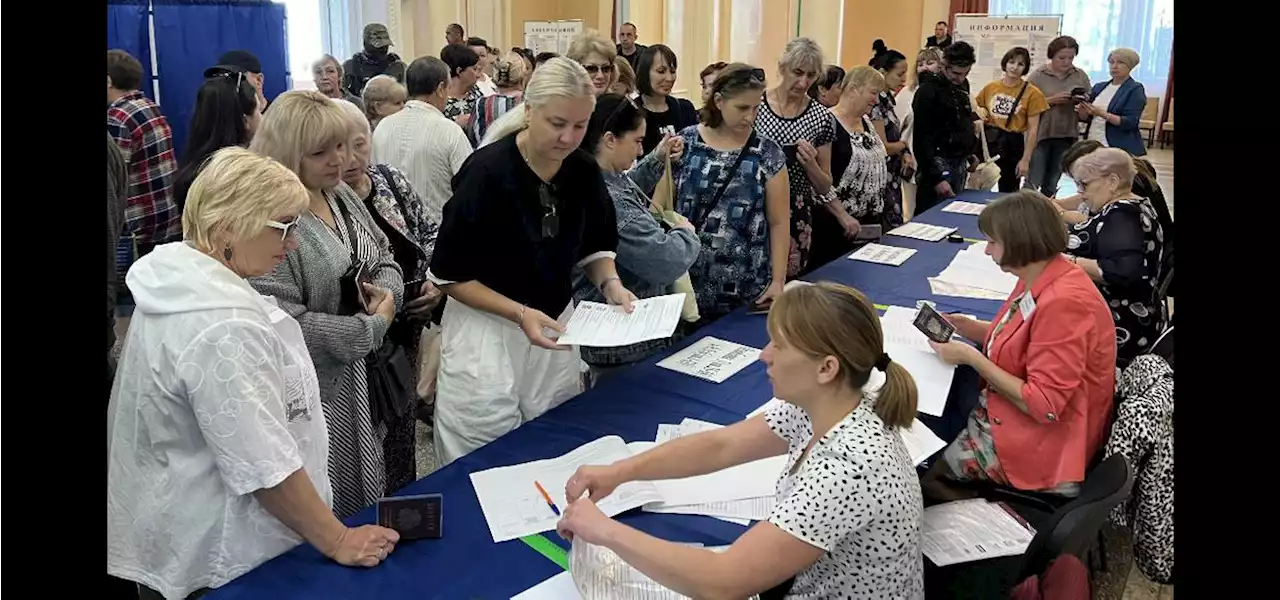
pixel 831 499
pixel 461 150
pixel 231 374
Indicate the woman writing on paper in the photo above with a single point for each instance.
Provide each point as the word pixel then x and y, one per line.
pixel 650 256
pixel 1047 363
pixel 526 210
pixel 848 513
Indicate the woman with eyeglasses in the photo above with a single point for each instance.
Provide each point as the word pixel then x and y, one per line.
pixel 651 255
pixel 217 442
pixel 527 209
pixel 664 114
pixel 595 54
pixel 343 319
pixel 732 186
pixel 226 114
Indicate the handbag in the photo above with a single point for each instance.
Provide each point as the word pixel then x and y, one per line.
pixel 987 174
pixel 662 202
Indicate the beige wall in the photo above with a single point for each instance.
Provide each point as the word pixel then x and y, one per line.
pixel 897 22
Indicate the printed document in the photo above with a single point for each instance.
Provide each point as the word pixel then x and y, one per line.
pixel 712 359
pixel 908 347
pixel 970 530
pixel 603 326
pixel 921 442
pixel 922 231
pixel 964 208
pixel 882 254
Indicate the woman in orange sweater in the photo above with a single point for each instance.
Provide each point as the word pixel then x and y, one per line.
pixel 1048 369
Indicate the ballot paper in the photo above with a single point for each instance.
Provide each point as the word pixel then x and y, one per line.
pixel 964 208
pixel 908 347
pixel 921 441
pixel 712 359
pixel 882 254
pixel 972 268
pixel 558 587
pixel 922 231
pixel 756 479
pixel 741 511
pixel 938 287
pixel 970 530
pixel 603 326
pixel 513 507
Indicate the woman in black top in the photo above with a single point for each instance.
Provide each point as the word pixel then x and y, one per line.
pixel 226 114
pixel 664 114
pixel 525 211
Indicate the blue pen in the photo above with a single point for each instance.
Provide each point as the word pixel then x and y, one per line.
pixel 547 497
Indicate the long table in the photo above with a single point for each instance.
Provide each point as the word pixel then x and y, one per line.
pixel 466 563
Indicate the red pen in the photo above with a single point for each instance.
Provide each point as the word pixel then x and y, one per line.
pixel 547 497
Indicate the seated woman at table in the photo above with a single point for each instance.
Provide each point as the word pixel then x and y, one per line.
pixel 651 256
pixel 1121 247
pixel 848 513
pixel 217 444
pixel 1047 363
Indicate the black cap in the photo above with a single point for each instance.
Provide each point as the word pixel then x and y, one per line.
pixel 236 61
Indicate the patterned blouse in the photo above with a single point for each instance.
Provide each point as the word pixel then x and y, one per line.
pixel 861 188
pixel 886 111
pixel 405 215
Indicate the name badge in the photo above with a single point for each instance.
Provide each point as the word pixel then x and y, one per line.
pixel 1026 305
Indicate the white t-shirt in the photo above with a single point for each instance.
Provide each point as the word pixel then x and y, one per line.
pixel 210 405
pixel 856 496
pixel 1098 125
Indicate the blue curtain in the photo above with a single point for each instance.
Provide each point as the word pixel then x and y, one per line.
pixel 127 30
pixel 192 34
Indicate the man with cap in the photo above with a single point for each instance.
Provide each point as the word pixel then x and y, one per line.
pixel 374 60
pixel 241 62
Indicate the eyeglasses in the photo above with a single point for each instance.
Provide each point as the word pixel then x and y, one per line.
pixel 284 228
pixel 755 75
pixel 550 220
pixel 593 68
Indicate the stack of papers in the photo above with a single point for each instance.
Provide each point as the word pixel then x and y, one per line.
pixel 921 441
pixel 604 326
pixel 712 359
pixel 964 208
pixel 970 530
pixel 908 347
pixel 923 231
pixel 882 254
pixel 972 274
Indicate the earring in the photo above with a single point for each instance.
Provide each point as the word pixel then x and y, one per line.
pixel 227 253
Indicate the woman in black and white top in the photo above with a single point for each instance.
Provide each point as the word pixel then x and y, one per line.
pixel 805 129
pixel 526 209
pixel 848 513
pixel 860 162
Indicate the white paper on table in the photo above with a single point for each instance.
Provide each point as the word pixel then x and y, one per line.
pixel 922 231
pixel 943 288
pixel 599 325
pixel 964 208
pixel 970 530
pixel 921 441
pixel 755 479
pixel 559 587
pixel 513 507
pixel 882 254
pixel 748 509
pixel 712 359
pixel 909 348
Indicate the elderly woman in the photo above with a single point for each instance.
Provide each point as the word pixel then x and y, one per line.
pixel 399 213
pixel 1063 85
pixel 1114 107
pixel 664 114
pixel 1047 363
pixel 216 438
pixel 846 521
pixel 509 76
pixel 595 53
pixel 327 73
pixel 861 161
pixel 826 89
pixel 1120 245
pixel 383 96
pixel 805 129
pixel 226 114
pixel 342 320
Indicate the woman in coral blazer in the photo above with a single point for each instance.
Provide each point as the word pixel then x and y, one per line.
pixel 1048 372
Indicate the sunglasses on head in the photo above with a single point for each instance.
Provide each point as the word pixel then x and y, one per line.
pixel 746 75
pixel 613 115
pixel 284 228
pixel 550 220
pixel 593 68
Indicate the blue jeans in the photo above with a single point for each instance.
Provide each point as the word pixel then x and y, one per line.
pixel 1046 165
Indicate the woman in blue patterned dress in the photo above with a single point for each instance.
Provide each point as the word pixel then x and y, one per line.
pixel 732 186
pixel 893 65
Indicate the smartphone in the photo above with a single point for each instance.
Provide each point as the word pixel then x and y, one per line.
pixel 363 276
pixel 791 151
pixel 869 232
pixel 1080 93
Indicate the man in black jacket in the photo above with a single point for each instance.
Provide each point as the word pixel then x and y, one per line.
pixel 939 39
pixel 945 127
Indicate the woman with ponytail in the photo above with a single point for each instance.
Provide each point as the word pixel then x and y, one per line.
pixel 847 519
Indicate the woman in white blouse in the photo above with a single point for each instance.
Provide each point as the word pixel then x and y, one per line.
pixel 848 513
pixel 217 448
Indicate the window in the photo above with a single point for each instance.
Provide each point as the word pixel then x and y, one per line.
pixel 744 32
pixel 1101 26
pixel 303 26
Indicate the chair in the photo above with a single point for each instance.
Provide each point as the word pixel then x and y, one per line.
pixel 1074 528
pixel 1148 121
pixel 1166 128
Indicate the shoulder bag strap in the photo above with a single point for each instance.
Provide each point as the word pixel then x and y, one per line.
pixel 1016 101
pixel 703 210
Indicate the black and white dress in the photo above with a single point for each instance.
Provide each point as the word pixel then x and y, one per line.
pixel 857 497
pixel 860 188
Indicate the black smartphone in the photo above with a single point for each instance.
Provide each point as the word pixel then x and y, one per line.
pixel 1080 93
pixel 869 232
pixel 791 151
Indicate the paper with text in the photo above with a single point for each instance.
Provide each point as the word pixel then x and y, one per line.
pixel 909 348
pixel 921 441
pixel 972 268
pixel 964 208
pixel 882 254
pixel 970 530
pixel 712 359
pixel 756 479
pixel 922 231
pixel 599 325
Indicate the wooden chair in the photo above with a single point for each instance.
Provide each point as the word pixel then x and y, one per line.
pixel 1166 128
pixel 1148 121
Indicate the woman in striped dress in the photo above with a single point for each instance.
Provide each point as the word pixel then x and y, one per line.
pixel 308 133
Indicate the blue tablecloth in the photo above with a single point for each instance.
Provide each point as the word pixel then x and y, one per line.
pixel 467 564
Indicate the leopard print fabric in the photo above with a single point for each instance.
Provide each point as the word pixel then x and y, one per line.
pixel 1143 433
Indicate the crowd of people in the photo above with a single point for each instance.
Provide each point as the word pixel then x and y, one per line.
pixel 291 270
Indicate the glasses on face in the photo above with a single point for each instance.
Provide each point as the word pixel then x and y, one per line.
pixel 285 228
pixel 550 220
pixel 592 69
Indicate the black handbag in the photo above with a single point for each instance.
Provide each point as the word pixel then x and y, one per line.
pixel 997 138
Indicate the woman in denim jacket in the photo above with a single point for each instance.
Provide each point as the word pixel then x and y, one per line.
pixel 651 255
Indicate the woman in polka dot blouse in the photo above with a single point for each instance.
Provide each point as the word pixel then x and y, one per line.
pixel 847 519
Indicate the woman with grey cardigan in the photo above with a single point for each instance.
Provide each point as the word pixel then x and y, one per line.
pixel 650 257
pixel 308 133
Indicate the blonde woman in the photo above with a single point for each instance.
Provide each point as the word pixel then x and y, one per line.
pixel 508 79
pixel 527 208
pixel 595 53
pixel 217 442
pixel 341 323
pixel 625 83
pixel 846 523
pixel 383 96
pixel 927 61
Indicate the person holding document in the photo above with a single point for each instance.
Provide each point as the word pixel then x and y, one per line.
pixel 526 210
pixel 1047 363
pixel 651 256
pixel 848 514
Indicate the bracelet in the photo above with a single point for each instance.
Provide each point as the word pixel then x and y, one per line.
pixel 607 280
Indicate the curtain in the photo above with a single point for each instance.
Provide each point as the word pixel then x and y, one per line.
pixel 192 34
pixel 127 30
pixel 959 7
